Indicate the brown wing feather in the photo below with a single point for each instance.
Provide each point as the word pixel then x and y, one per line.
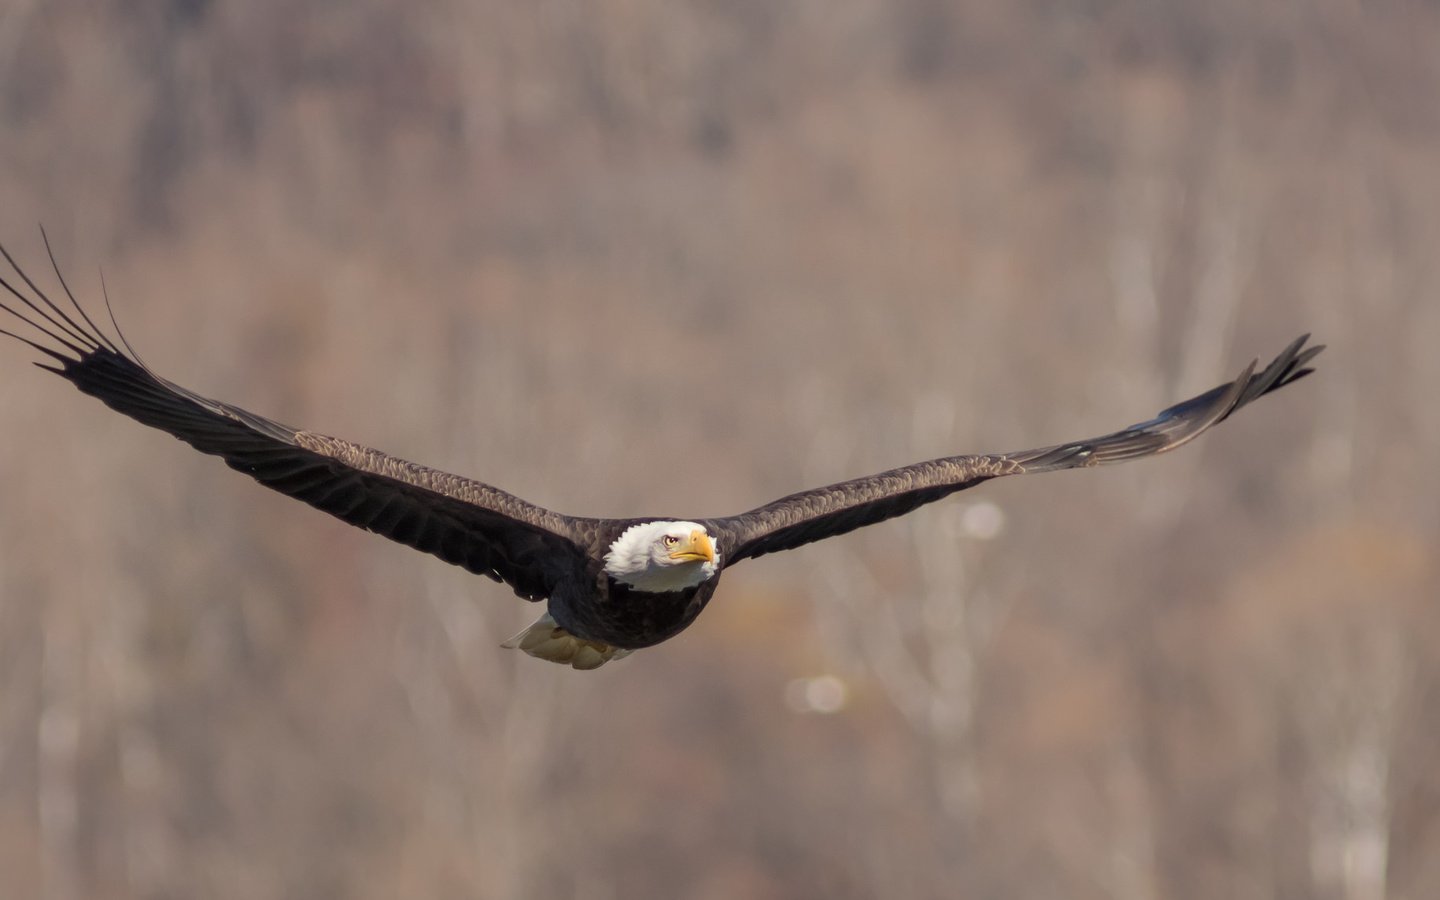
pixel 829 511
pixel 464 522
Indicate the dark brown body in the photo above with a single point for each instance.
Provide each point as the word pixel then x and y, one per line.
pixel 599 608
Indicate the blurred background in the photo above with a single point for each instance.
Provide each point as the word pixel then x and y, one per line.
pixel 647 257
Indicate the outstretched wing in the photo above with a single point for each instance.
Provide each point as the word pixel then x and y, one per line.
pixel 464 522
pixel 825 512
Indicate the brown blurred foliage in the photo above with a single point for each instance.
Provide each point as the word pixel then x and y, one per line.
pixel 641 257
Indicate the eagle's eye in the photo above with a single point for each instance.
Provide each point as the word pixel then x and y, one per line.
pixel 671 540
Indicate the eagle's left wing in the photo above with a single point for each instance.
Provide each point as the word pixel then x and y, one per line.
pixel 829 511
pixel 462 521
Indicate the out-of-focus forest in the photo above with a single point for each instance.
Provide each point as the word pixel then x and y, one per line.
pixel 644 257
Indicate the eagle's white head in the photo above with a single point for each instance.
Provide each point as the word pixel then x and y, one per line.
pixel 663 556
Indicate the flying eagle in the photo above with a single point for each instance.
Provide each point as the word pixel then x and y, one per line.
pixel 611 586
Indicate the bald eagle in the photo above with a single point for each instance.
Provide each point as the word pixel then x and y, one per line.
pixel 611 586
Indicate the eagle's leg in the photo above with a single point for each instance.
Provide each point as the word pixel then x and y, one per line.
pixel 546 640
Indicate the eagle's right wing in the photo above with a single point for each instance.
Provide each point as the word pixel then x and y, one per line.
pixel 829 511
pixel 464 522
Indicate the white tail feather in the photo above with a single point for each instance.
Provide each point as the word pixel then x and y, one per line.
pixel 544 639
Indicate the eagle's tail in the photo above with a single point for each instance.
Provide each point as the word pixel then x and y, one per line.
pixel 544 639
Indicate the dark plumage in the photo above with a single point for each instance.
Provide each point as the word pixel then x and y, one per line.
pixel 611 587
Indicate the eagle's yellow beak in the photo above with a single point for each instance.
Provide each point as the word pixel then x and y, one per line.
pixel 695 548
